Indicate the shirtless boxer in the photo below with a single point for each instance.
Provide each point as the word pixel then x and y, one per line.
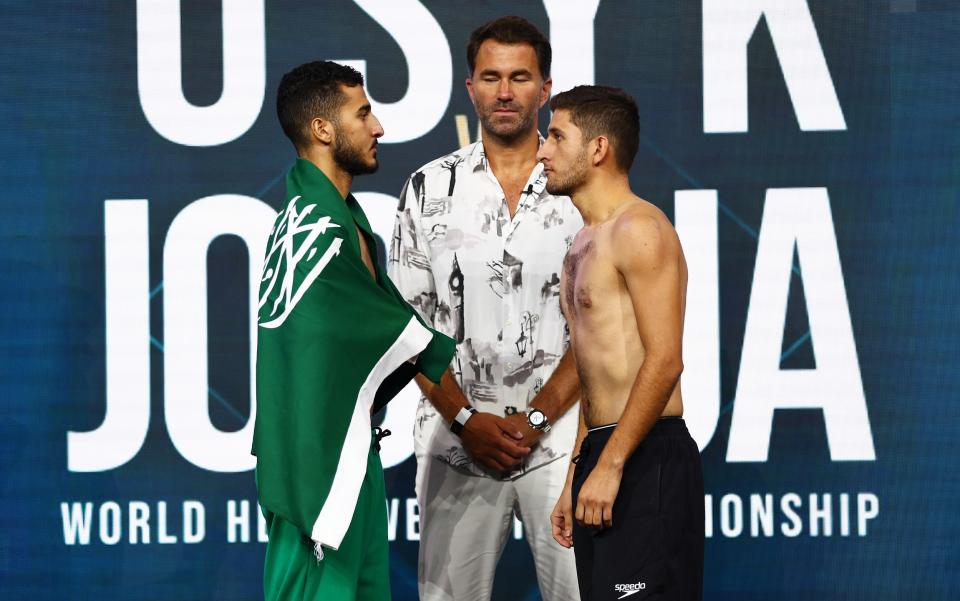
pixel 632 507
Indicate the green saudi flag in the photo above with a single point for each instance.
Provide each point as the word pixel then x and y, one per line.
pixel 332 345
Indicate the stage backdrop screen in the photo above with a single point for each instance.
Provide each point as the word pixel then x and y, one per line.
pixel 806 150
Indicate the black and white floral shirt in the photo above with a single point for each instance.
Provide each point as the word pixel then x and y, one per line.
pixel 490 282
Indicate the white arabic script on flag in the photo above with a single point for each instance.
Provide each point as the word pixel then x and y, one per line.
pixel 284 252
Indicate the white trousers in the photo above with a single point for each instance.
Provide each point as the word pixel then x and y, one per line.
pixel 464 524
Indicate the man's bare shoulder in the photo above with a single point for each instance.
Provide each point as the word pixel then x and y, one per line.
pixel 642 237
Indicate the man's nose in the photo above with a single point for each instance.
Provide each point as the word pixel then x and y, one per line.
pixel 542 151
pixel 504 92
pixel 377 128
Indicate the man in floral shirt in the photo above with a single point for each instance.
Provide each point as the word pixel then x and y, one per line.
pixel 478 248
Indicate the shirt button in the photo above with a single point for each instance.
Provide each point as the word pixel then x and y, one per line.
pixel 509 365
pixel 508 323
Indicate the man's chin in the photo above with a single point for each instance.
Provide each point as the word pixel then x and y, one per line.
pixel 507 129
pixel 559 188
pixel 363 168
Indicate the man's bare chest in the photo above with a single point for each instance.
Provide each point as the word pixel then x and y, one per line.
pixel 589 278
pixel 365 253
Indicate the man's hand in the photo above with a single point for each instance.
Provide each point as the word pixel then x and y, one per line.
pixel 561 520
pixel 493 441
pixel 595 501
pixel 530 436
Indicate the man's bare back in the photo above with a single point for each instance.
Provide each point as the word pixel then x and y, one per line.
pixel 602 312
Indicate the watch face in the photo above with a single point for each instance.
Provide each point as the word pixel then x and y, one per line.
pixel 536 418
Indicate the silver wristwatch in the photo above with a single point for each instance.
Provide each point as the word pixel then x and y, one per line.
pixel 537 420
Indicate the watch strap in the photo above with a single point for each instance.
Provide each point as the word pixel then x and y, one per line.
pixel 460 420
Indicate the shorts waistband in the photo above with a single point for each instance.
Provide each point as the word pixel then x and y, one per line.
pixel 599 428
pixel 664 426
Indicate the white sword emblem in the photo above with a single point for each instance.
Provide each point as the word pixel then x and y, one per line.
pixel 284 252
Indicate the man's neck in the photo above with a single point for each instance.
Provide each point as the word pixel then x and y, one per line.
pixel 340 179
pixel 600 197
pixel 511 158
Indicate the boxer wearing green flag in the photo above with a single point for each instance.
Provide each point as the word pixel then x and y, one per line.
pixel 335 342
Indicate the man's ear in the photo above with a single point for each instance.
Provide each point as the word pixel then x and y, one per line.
pixel 599 149
pixel 469 84
pixel 322 130
pixel 545 92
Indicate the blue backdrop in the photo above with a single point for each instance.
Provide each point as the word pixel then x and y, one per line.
pixel 807 151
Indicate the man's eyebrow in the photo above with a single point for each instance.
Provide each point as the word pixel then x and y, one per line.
pixel 554 130
pixel 364 108
pixel 514 73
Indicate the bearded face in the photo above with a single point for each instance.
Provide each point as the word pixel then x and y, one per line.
pixel 356 131
pixel 353 153
pixel 507 89
pixel 567 173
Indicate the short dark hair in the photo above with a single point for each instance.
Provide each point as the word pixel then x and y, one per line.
pixel 309 91
pixel 602 110
pixel 511 30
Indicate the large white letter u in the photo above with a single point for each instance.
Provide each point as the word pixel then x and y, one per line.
pixel 160 78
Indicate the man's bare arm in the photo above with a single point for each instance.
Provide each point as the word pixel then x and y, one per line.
pixel 560 391
pixel 561 519
pixel 446 397
pixel 558 394
pixel 647 255
pixel 488 438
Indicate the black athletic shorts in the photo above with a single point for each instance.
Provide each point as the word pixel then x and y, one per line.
pixel 654 550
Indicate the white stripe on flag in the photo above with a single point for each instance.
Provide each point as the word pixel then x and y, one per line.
pixel 337 512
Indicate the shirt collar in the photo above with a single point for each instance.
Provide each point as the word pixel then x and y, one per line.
pixel 539 182
pixel 477 159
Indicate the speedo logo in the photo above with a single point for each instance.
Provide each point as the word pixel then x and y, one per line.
pixel 629 589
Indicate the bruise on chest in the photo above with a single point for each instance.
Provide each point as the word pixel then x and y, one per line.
pixel 574 295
